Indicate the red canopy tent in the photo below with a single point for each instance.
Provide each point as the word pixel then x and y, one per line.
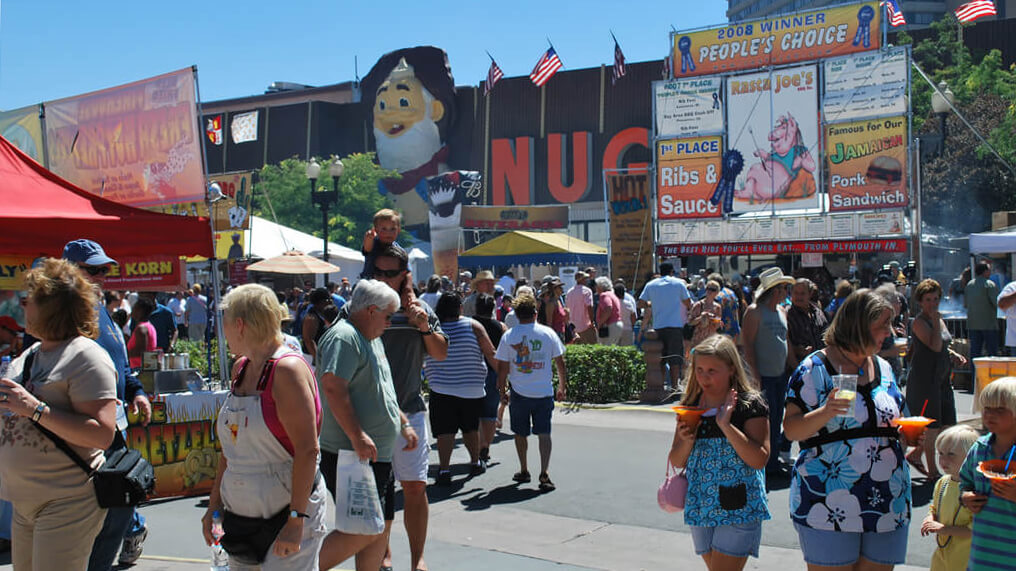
pixel 41 212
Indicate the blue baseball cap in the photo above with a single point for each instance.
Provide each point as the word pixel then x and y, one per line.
pixel 86 252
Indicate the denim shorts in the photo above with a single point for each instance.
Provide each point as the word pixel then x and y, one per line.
pixel 837 548
pixel 735 540
pixel 530 414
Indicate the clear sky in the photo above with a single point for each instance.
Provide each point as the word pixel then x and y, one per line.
pixel 50 49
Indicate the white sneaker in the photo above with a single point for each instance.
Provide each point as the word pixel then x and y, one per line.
pixel 130 552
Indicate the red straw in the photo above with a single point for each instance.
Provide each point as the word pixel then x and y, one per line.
pixel 924 407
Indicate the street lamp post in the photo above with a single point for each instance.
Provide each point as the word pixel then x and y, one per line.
pixel 324 198
pixel 941 104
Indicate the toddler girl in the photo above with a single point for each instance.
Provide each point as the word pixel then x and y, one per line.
pixel 947 518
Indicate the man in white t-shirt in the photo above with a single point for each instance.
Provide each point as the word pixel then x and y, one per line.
pixel 1007 305
pixel 525 355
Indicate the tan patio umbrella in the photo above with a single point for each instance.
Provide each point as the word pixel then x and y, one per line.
pixel 294 262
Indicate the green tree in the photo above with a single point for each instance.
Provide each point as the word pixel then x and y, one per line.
pixel 288 191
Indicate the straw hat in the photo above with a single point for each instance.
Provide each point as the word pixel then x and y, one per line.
pixel 483 276
pixel 770 278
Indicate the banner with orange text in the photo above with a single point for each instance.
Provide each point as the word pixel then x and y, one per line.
pixel 686 175
pixel 151 273
pixel 867 164
pixel 136 144
pixel 788 38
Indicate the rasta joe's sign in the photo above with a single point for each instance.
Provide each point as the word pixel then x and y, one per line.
pixel 778 40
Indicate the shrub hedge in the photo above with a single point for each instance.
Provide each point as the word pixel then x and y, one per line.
pixel 602 374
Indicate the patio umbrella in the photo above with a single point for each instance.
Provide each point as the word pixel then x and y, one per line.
pixel 294 262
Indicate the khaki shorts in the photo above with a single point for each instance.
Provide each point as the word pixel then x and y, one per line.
pixel 55 534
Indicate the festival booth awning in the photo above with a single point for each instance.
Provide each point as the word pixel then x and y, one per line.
pixel 42 212
pixel 1000 242
pixel 523 247
pixel 268 239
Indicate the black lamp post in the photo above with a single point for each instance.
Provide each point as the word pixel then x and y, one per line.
pixel 324 198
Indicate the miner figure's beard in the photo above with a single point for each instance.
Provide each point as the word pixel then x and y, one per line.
pixel 414 147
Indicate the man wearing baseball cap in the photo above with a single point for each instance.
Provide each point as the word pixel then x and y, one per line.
pixel 122 525
pixel 9 330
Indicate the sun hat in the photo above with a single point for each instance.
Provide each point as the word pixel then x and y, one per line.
pixel 771 278
pixel 482 276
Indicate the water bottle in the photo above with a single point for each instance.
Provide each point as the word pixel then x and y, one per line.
pixel 220 559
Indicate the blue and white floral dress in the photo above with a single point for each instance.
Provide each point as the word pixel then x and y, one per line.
pixel 722 488
pixel 859 484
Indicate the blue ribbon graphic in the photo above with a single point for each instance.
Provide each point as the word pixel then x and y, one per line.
pixel 732 164
pixel 864 17
pixel 687 63
pixel 716 100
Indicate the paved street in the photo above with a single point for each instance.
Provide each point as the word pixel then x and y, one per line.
pixel 607 464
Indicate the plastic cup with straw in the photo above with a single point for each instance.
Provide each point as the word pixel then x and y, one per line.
pixel 914 426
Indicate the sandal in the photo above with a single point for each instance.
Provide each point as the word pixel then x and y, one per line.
pixel 545 484
pixel 522 477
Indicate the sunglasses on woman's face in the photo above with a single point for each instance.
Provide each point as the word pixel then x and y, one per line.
pixel 378 272
pixel 95 270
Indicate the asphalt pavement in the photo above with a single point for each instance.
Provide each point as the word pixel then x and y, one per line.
pixel 607 463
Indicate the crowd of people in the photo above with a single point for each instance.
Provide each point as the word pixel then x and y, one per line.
pixel 326 379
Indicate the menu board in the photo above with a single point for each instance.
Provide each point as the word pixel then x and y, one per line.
pixel 688 107
pixel 865 85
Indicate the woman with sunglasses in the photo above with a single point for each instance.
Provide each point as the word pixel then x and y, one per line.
pixel 706 314
pixel 65 385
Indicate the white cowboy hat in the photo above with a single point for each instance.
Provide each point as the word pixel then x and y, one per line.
pixel 770 278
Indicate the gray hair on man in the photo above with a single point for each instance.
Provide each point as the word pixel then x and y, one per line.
pixel 524 289
pixel 372 292
pixel 603 284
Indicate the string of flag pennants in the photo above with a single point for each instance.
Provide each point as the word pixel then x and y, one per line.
pixel 550 63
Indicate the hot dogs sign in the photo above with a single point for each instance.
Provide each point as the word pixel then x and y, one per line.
pixel 814 136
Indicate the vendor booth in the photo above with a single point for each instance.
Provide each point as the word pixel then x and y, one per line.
pixel 268 239
pixel 524 247
pixel 988 369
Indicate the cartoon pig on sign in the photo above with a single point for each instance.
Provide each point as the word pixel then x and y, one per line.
pixel 786 172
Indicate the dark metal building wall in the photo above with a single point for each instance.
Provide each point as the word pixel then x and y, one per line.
pixel 287 132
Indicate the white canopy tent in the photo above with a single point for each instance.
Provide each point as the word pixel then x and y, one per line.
pixel 1000 242
pixel 267 239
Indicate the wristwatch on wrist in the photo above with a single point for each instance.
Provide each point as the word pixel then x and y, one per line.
pixel 427 332
pixel 37 414
pixel 293 514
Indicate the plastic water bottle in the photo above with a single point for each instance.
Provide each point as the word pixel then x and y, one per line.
pixel 220 559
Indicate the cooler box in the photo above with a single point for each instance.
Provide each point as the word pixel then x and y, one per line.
pixel 988 369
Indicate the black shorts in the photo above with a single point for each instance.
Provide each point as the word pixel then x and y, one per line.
pixel 449 414
pixel 382 477
pixel 673 345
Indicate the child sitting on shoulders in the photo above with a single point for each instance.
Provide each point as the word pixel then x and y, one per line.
pixel 385 231
pixel 947 518
pixel 993 502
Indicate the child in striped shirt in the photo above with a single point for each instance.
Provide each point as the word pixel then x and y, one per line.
pixel 993 503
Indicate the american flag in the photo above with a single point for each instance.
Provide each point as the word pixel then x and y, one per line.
pixel 974 10
pixel 895 14
pixel 666 68
pixel 546 68
pixel 618 63
pixel 493 75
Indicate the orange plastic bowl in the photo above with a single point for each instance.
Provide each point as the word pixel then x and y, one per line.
pixel 913 426
pixel 994 470
pixel 690 415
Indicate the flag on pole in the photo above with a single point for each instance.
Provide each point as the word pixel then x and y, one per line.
pixel 974 10
pixel 493 75
pixel 666 68
pixel 895 14
pixel 618 63
pixel 546 68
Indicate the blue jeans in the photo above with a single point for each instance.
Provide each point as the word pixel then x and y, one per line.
pixel 983 338
pixel 775 391
pixel 120 522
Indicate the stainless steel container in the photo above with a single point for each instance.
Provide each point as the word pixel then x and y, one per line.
pixel 176 361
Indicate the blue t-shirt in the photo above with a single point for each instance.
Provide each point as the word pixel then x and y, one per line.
pixel 667 295
pixel 165 324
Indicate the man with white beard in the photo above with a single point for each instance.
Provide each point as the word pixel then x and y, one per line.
pixel 413 105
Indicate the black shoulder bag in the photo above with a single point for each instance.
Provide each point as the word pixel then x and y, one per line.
pixel 124 480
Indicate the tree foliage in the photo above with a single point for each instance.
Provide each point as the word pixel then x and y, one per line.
pixel 965 182
pixel 288 192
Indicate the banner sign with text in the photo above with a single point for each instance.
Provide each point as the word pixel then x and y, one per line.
pixel 12 272
pixel 812 246
pixel 180 442
pixel 631 229
pixel 800 36
pixel 507 218
pixel 689 107
pixel 772 120
pixel 232 212
pixel 687 172
pixel 136 144
pixel 865 85
pixel 866 162
pixel 151 273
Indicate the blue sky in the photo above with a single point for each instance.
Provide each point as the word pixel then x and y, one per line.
pixel 51 49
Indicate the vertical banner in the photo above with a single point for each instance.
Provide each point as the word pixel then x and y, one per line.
pixel 136 144
pixel 447 192
pixel 687 172
pixel 772 122
pixel 631 230
pixel 787 38
pixel 23 128
pixel 866 162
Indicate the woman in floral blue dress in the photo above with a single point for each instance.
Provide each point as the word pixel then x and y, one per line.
pixel 724 457
pixel 850 496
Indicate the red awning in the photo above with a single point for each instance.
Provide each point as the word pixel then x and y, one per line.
pixel 40 212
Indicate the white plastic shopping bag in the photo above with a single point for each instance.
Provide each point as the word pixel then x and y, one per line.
pixel 357 505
